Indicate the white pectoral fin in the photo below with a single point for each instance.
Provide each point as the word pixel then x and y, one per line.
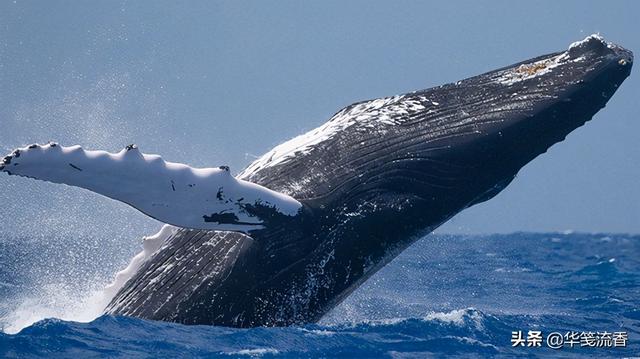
pixel 174 193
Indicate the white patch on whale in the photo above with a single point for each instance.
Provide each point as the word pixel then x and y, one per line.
pixel 174 193
pixel 368 115
pixel 150 245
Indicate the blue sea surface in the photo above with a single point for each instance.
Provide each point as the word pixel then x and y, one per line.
pixel 446 295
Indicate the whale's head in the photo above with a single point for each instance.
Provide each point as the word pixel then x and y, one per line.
pixel 534 104
pixel 499 121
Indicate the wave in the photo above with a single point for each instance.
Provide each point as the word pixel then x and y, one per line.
pixel 464 330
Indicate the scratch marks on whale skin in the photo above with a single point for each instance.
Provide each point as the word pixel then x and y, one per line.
pixel 75 167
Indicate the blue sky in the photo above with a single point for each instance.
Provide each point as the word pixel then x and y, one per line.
pixel 212 83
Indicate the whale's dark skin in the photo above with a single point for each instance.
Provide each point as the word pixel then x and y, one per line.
pixel 371 189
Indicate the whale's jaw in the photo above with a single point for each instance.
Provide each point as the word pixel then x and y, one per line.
pixel 372 180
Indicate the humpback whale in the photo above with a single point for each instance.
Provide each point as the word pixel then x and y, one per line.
pixel 304 225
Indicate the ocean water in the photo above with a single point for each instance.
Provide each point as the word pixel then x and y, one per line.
pixel 446 295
